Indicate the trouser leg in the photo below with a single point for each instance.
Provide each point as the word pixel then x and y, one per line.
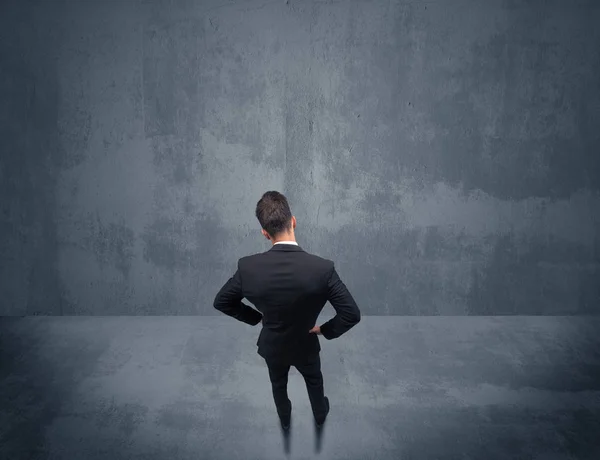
pixel 310 369
pixel 278 373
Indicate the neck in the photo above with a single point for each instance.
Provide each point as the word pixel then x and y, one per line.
pixel 287 237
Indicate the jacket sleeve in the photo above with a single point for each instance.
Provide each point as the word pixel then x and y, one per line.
pixel 229 301
pixel 347 312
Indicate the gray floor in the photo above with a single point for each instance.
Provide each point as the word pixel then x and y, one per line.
pixel 400 388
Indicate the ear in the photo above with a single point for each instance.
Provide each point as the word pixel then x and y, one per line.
pixel 265 234
pixel 294 222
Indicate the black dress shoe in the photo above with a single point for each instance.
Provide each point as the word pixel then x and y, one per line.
pixel 285 421
pixel 321 421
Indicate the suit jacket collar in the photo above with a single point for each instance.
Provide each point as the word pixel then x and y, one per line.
pixel 286 248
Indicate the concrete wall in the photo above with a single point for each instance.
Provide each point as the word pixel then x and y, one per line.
pixel 445 154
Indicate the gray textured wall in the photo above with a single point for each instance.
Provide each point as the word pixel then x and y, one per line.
pixel 445 154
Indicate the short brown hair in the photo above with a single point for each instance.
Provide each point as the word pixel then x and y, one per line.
pixel 274 213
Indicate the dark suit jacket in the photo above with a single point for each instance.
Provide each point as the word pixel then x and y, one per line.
pixel 289 287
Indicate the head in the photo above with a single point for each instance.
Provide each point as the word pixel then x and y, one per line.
pixel 275 217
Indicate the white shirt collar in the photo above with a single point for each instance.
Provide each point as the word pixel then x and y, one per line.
pixel 287 242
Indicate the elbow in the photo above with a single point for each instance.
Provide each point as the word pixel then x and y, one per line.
pixel 357 317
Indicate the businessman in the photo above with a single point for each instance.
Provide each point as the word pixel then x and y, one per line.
pixel 289 287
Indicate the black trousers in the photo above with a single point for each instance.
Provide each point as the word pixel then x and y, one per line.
pixel 310 368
